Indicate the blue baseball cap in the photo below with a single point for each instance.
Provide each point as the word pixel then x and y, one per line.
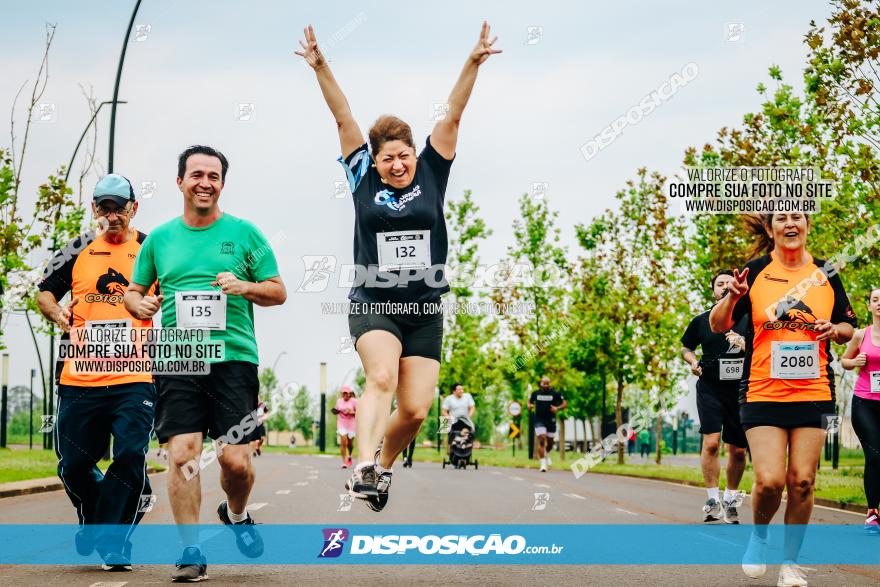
pixel 116 188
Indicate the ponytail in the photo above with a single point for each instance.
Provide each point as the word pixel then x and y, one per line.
pixel 757 225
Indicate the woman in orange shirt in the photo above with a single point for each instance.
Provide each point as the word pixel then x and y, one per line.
pixel 797 306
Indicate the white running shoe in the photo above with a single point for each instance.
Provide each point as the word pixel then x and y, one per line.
pixel 543 465
pixel 549 461
pixel 712 510
pixel 791 574
pixel 754 563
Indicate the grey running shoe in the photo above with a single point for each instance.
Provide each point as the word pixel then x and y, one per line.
pixel 378 503
pixel 731 516
pixel 362 483
pixel 712 509
pixel 191 568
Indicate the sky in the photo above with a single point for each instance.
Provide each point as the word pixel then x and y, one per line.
pixel 568 70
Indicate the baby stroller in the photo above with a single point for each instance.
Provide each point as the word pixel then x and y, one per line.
pixel 461 444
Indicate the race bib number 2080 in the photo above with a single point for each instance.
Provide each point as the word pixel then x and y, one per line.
pixel 794 360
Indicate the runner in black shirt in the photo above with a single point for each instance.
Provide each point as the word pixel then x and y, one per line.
pixel 400 246
pixel 546 402
pixel 719 371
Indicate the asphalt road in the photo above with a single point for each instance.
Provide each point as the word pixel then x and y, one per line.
pixel 307 490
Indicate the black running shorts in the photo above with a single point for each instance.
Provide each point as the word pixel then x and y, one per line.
pixel 420 334
pixel 222 403
pixel 718 407
pixel 787 415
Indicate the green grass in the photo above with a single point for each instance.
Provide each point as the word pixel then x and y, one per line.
pixel 842 486
pixel 19 465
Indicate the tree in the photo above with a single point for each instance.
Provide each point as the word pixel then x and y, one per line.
pixel 278 401
pixel 537 276
pixel 303 412
pixel 470 357
pixel 629 305
pixel 55 218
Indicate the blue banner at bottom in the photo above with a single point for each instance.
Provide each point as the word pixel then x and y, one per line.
pixel 583 544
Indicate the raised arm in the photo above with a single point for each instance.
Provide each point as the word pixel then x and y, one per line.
pixel 721 316
pixel 350 135
pixel 445 133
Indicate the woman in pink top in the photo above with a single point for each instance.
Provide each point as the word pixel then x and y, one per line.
pixel 864 352
pixel 345 409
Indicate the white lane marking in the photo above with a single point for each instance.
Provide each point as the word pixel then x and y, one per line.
pixel 574 496
pixel 326 456
pixel 256 506
pixel 312 477
pixel 516 478
pixel 282 492
pixel 542 485
pixel 496 473
pixel 720 540
pixel 300 483
pixel 626 511
pixel 109 584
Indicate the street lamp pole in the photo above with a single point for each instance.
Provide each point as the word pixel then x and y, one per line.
pixel 31 418
pixel 116 87
pixel 4 390
pixel 323 420
pixel 83 135
pixel 278 358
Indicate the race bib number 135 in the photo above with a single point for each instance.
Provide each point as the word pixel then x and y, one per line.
pixel 201 310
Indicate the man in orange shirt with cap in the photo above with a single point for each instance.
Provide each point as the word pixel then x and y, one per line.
pixel 93 406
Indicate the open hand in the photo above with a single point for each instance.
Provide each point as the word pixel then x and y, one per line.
pixel 484 48
pixel 311 53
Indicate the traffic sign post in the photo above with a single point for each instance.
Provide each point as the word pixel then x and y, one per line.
pixel 514 408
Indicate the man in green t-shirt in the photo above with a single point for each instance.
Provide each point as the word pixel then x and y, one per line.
pixel 211 268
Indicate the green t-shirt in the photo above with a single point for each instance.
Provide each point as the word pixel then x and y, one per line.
pixel 186 258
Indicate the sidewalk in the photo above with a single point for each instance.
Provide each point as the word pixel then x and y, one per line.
pixel 29 486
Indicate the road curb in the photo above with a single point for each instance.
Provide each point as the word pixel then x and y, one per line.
pixel 32 486
pixel 829 503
